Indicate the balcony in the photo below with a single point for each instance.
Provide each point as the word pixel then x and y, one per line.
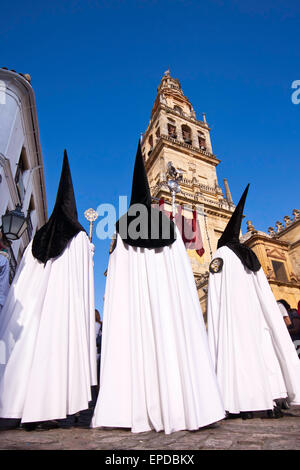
pixel 187 143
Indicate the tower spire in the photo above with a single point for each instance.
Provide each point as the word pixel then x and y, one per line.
pixel 227 192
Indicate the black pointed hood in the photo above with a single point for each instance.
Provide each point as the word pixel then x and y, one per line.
pixel 154 229
pixel 231 237
pixel 140 191
pixel 51 239
pixel 233 228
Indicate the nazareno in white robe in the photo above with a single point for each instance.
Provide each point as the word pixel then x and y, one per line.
pixel 47 327
pixel 156 370
pixel 254 357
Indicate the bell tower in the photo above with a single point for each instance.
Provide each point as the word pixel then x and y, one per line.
pixel 174 134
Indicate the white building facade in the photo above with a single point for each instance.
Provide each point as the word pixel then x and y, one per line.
pixel 21 164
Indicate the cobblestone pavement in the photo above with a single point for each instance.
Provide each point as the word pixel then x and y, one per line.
pixel 256 434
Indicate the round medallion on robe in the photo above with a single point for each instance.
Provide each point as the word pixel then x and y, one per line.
pixel 216 265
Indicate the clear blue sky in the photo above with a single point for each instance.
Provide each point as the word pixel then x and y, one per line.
pixel 95 68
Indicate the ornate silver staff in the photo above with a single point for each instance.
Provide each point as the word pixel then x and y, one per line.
pixel 91 215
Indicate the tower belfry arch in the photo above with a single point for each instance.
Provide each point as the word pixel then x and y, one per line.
pixel 174 134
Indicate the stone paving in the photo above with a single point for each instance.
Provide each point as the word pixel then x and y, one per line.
pixel 236 434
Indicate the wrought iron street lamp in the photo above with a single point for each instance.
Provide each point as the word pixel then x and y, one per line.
pixel 174 189
pixel 14 223
pixel 173 183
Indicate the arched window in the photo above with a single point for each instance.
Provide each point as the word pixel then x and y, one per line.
pixel 172 131
pixel 150 144
pixel 201 140
pixel 186 134
pixel 178 109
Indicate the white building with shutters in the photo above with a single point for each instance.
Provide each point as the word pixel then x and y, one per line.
pixel 21 163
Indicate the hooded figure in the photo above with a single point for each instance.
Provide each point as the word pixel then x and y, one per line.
pixel 151 228
pixel 254 357
pixel 156 371
pixel 48 321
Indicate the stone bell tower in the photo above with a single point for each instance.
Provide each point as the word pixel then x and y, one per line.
pixel 174 134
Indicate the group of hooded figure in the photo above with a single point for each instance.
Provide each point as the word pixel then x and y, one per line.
pixel 160 368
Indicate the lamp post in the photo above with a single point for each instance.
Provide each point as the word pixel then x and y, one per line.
pixel 14 223
pixel 174 189
pixel 173 184
pixel 91 215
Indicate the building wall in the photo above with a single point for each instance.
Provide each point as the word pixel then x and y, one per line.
pixel 21 163
pixel 283 248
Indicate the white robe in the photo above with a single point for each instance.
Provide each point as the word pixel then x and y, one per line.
pixel 48 328
pixel 156 371
pixel 254 357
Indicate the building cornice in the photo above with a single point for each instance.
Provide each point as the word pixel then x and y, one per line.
pixel 290 284
pixel 181 146
pixel 25 89
pixel 287 229
pixel 258 238
pixel 208 207
pixel 295 245
pixel 184 116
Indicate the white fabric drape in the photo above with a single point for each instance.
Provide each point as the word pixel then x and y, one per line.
pixel 156 371
pixel 254 357
pixel 48 328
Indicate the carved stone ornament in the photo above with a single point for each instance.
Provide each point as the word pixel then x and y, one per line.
pixel 288 221
pixel 271 231
pixel 296 214
pixel 279 226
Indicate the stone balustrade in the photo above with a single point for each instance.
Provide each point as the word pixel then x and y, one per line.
pixel 288 222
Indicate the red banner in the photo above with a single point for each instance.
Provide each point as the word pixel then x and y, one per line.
pixel 188 228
